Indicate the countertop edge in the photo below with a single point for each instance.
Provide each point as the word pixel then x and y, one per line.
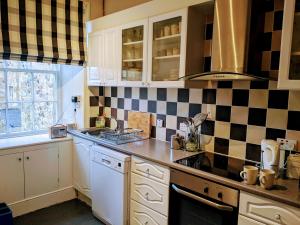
pixel 39 140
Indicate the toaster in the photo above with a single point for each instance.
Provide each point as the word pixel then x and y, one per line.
pixel 57 131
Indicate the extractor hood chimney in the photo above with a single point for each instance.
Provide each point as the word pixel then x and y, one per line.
pixel 230 42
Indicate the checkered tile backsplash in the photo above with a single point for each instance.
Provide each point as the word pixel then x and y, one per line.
pixel 242 112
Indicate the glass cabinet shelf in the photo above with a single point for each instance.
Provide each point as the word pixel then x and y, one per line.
pixel 167 37
pixel 133 43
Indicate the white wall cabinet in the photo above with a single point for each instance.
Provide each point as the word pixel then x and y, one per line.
pixel 12 178
pixel 166 50
pixel 153 52
pixel 134 37
pixel 41 171
pixel 289 68
pixel 104 58
pixel 95 59
pixel 258 210
pixel 82 165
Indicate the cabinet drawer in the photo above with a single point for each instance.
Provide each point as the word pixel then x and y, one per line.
pixel 140 214
pixel 268 211
pixel 150 193
pixel 150 170
pixel 243 220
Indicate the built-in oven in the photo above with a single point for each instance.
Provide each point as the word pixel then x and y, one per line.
pixel 197 201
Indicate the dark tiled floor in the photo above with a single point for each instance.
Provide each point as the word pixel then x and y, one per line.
pixel 72 212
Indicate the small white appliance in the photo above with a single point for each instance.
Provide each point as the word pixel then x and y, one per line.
pixel 58 131
pixel 110 186
pixel 270 155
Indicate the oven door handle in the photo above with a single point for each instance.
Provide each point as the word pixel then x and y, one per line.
pixel 202 200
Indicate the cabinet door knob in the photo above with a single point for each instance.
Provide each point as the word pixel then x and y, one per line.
pixel 20 159
pixel 277 217
pixel 27 158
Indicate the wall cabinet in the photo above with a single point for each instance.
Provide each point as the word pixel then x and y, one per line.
pixel 289 69
pixel 167 44
pixel 12 178
pixel 103 58
pixel 154 52
pixel 134 54
pixel 34 171
pixel 95 59
pixel 81 165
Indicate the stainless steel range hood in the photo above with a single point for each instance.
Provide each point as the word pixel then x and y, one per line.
pixel 230 42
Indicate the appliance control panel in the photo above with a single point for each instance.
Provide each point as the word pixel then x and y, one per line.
pixel 206 188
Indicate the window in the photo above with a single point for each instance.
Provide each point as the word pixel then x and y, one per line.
pixel 28 97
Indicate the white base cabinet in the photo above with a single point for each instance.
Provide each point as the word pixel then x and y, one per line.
pixel 12 178
pixel 140 214
pixel 149 193
pixel 82 165
pixel 36 176
pixel 259 210
pixel 41 171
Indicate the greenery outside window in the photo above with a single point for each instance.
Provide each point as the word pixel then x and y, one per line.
pixel 28 97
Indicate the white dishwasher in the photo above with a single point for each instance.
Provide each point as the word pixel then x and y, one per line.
pixel 110 186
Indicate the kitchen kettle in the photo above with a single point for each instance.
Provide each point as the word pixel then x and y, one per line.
pixel 270 155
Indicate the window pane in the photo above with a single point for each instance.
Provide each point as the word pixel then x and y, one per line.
pixel 19 86
pixel 2 87
pixel 2 118
pixel 44 84
pixel 43 115
pixel 19 116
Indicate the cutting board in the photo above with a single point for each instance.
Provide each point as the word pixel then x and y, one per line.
pixel 140 120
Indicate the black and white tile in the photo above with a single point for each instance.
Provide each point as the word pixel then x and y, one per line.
pixel 242 113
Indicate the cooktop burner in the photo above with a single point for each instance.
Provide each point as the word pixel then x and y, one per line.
pixel 217 164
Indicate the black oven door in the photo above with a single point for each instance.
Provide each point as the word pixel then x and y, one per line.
pixel 189 208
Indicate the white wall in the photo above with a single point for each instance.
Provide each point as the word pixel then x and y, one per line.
pixel 72 84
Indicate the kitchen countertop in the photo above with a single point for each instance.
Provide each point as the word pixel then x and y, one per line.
pixel 285 191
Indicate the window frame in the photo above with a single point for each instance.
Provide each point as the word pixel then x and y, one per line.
pixel 56 101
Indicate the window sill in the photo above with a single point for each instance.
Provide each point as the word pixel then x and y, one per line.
pixel 25 141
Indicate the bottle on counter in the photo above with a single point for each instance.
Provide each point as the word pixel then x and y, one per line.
pixel 100 121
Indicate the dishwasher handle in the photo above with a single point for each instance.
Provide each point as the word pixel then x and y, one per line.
pixel 202 200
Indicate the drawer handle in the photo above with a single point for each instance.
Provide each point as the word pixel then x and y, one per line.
pixel 148 171
pixel 146 223
pixel 147 196
pixel 277 217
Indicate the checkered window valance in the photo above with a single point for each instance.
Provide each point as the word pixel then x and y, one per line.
pixel 43 30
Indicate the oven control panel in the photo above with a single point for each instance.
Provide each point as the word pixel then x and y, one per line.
pixel 204 187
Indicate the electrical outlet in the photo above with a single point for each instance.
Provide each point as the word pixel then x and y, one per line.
pixel 286 144
pixel 160 123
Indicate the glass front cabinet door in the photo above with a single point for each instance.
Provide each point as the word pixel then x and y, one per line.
pixel 289 70
pixel 166 49
pixel 134 54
